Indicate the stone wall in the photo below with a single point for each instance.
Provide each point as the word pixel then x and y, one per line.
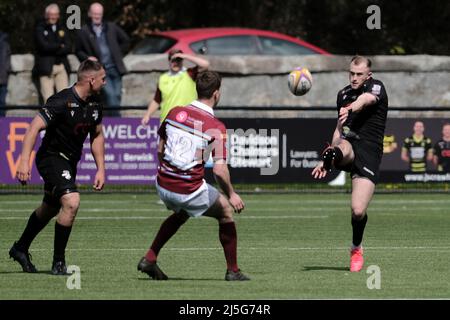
pixel 411 81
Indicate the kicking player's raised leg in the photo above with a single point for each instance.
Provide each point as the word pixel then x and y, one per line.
pixel 362 192
pixel 339 155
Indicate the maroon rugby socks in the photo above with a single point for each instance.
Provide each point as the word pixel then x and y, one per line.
pixel 168 228
pixel 228 239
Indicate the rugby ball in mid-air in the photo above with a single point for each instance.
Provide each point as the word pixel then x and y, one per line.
pixel 300 81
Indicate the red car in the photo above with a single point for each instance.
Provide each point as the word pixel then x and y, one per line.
pixel 226 41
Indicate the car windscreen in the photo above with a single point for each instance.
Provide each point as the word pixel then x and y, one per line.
pixel 273 46
pixel 227 45
pixel 153 44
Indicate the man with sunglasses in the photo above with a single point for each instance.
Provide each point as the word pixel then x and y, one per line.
pixel 176 87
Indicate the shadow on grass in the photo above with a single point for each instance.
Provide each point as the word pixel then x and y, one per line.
pixel 319 268
pixel 183 279
pixel 21 272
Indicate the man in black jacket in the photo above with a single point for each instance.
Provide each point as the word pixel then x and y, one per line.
pixel 5 66
pixel 106 42
pixel 52 47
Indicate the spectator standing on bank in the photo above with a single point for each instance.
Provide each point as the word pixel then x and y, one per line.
pixel 52 47
pixel 104 41
pixel 5 66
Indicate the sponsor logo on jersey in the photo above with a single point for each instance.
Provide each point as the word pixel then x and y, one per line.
pixel 73 105
pixel 95 115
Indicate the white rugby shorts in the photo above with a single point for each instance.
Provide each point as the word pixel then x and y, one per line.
pixel 194 204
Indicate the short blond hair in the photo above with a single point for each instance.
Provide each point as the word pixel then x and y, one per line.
pixel 357 60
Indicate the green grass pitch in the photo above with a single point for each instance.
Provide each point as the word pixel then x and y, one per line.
pixel 293 246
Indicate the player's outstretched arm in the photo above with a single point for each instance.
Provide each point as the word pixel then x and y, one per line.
pixel 98 151
pixel 23 172
pixel 222 176
pixel 152 107
pixel 364 100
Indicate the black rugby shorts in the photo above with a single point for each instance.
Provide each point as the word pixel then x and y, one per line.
pixel 58 175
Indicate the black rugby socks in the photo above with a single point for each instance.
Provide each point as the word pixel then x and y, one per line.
pixel 34 226
pixel 62 234
pixel 358 229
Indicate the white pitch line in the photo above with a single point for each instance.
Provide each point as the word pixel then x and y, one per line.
pixel 164 217
pixel 306 201
pixel 298 209
pixel 444 248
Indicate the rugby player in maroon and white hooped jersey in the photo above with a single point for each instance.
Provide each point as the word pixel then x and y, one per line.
pixel 188 136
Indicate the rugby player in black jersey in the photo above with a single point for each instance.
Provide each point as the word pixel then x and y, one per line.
pixel 67 118
pixel 417 149
pixel 442 150
pixel 357 145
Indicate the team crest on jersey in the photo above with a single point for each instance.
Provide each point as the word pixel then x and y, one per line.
pixel 72 113
pixel 95 115
pixel 181 116
pixel 66 174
